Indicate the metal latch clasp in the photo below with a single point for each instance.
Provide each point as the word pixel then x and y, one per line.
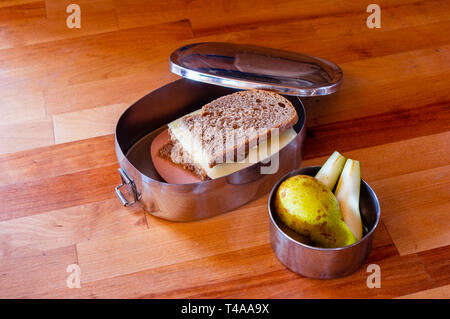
pixel 126 180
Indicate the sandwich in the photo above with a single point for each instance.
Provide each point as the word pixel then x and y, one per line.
pixel 231 133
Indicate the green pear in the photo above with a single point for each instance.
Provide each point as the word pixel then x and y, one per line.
pixel 310 208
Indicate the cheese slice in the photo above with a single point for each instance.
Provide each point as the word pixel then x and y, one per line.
pixel 258 153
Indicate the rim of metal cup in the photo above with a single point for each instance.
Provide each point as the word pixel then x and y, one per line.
pixel 294 173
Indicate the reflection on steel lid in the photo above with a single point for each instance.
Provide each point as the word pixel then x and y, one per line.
pixel 244 66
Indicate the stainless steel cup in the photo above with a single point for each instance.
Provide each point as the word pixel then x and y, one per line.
pixel 323 263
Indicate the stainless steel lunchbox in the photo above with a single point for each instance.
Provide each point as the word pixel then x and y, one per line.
pixel 323 263
pixel 209 71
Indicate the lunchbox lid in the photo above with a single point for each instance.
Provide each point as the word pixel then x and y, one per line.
pixel 245 66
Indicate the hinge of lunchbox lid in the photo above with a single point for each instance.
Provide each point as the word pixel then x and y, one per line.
pixel 126 180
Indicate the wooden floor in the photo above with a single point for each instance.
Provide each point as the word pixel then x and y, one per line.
pixel 62 90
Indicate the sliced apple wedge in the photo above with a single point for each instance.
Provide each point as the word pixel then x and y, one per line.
pixel 347 194
pixel 330 171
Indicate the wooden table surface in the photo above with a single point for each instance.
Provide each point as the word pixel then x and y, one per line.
pixel 62 90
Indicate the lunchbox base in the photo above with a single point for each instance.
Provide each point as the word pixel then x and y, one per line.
pixel 147 118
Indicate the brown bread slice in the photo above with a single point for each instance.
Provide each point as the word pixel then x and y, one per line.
pixel 229 125
pixel 173 152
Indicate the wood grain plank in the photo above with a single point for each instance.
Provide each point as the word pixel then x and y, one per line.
pixel 366 93
pixel 382 246
pixel 21 91
pixel 28 31
pixel 19 11
pixel 13 3
pixel 43 271
pixel 437 264
pixel 249 14
pixel 30 107
pixel 225 16
pixel 24 123
pixel 123 89
pixel 351 22
pixel 66 227
pixel 34 197
pixel 376 165
pixel 57 160
pixel 26 135
pixel 178 279
pixel 122 77
pixel 57 8
pixel 375 130
pixel 329 25
pixel 93 57
pixel 442 292
pixel 212 269
pixel 415 209
pixel 399 275
pixel 352 40
pixel 162 246
pixel 88 123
